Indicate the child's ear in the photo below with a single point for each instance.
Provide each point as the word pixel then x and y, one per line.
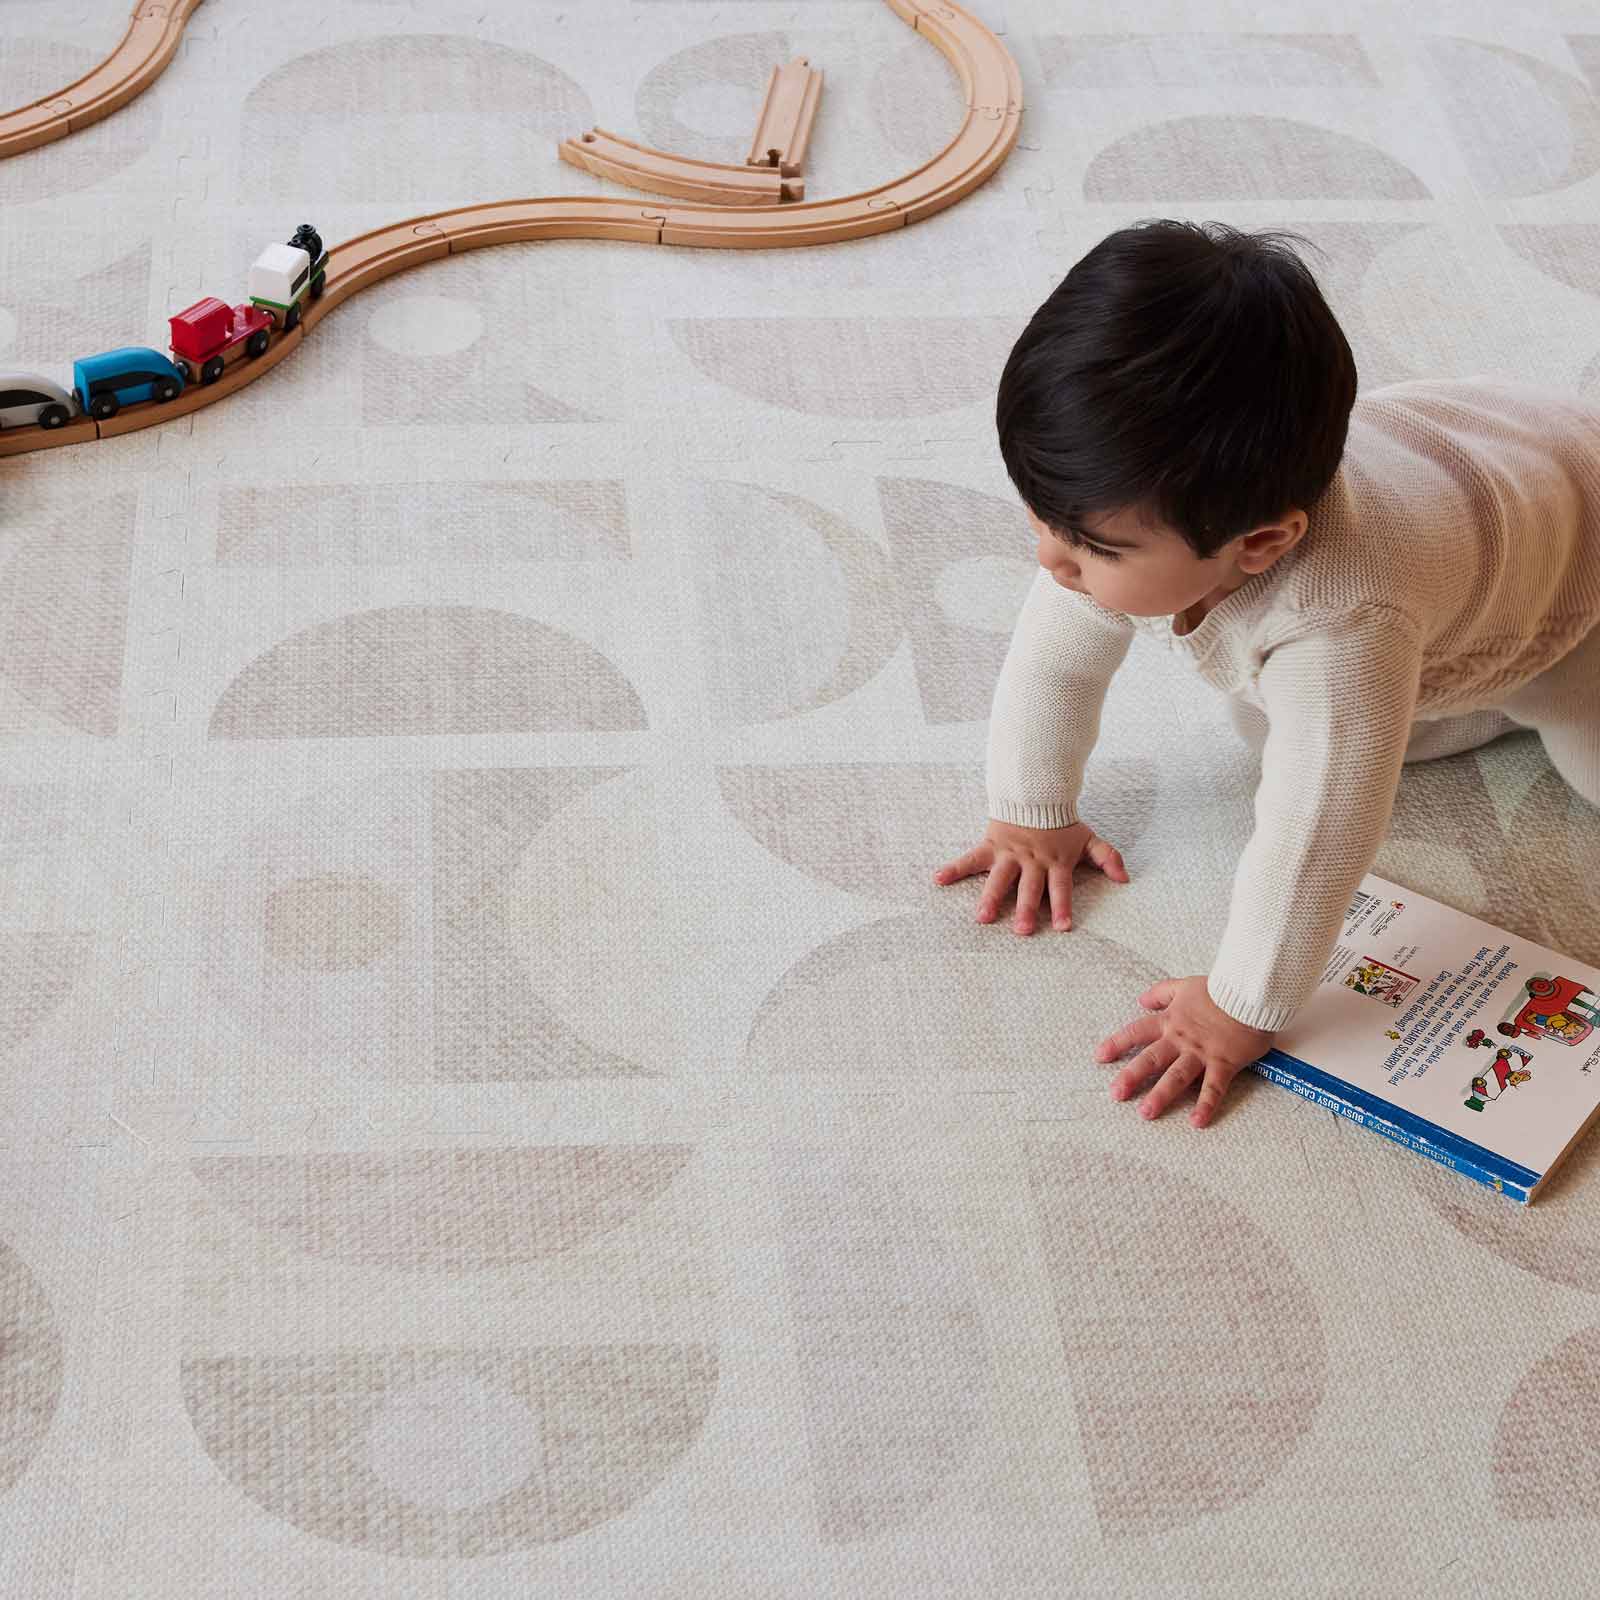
pixel 1258 550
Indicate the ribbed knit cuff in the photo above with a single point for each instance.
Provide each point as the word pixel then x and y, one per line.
pixel 1250 1009
pixel 1025 814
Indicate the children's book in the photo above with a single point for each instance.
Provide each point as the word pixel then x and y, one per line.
pixel 1459 1040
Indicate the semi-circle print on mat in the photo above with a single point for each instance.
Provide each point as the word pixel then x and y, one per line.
pixel 474 523
pixel 41 967
pixel 937 994
pixel 1525 843
pixel 61 869
pixel 87 310
pixel 438 354
pixel 1172 1428
pixel 869 828
pixel 1146 62
pixel 32 1367
pixel 879 828
pixel 1486 87
pixel 963 564
pixel 426 670
pixel 413 108
pixel 702 101
pixel 911 106
pixel 779 647
pixel 1564 251
pixel 443 1453
pixel 442 1210
pixel 1546 1460
pixel 869 367
pixel 894 1361
pixel 64 621
pixel 1552 854
pixel 1554 1239
pixel 1228 158
pixel 367 922
pixel 96 154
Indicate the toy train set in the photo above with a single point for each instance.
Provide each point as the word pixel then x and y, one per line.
pixel 204 339
pixel 755 205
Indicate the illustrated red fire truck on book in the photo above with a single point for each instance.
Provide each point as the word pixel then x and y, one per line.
pixel 1554 1008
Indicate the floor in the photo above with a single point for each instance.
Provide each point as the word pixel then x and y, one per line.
pixel 491 1101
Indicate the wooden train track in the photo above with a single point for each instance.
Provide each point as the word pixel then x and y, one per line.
pixel 609 155
pixel 149 44
pixel 992 88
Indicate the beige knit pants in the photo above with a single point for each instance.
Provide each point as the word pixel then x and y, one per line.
pixel 1563 704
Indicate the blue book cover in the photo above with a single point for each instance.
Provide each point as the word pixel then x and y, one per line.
pixel 1463 1042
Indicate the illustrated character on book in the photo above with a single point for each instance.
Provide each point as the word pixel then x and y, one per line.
pixel 1382 982
pixel 1504 1072
pixel 1557 1008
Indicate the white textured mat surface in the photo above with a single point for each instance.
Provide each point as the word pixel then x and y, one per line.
pixel 491 1102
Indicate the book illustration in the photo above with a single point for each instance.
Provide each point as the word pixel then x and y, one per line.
pixel 1425 1067
pixel 1556 1008
pixel 1381 981
pixel 1503 1074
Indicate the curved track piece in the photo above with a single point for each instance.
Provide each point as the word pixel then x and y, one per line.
pixel 149 44
pixel 608 155
pixel 987 134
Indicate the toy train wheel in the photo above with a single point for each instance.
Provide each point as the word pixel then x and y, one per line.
pixel 318 284
pixel 211 371
pixel 167 388
pixel 53 417
pixel 103 406
pixel 257 342
pixel 291 318
pixel 1541 988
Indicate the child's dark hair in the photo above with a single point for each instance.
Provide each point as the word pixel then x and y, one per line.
pixel 1189 371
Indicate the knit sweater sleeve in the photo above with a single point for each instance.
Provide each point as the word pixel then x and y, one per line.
pixel 1045 716
pixel 1339 707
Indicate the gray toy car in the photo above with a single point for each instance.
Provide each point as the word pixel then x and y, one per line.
pixel 26 399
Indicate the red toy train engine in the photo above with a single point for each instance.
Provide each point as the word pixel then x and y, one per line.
pixel 209 334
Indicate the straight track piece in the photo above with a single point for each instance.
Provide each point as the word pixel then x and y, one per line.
pixel 783 130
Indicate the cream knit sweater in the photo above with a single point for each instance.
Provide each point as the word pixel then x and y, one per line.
pixel 1455 555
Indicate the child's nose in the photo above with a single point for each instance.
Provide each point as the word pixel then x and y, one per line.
pixel 1056 561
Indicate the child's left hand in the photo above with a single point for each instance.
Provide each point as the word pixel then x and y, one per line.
pixel 1186 1036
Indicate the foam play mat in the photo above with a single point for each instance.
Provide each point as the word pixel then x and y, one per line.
pixel 491 1099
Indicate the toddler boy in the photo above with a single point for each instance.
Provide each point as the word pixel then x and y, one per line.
pixel 1371 580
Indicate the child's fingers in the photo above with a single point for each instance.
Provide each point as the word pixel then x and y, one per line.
pixel 1142 1030
pixel 976 859
pixel 1211 1092
pixel 1107 857
pixel 1001 876
pixel 1172 1083
pixel 1061 896
pixel 1153 1059
pixel 1029 891
pixel 1159 995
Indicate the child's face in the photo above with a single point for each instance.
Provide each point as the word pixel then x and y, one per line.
pixel 1129 568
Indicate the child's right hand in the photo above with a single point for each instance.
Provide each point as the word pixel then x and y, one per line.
pixel 1041 858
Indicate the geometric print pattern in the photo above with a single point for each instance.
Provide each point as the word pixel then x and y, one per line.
pixel 490 1097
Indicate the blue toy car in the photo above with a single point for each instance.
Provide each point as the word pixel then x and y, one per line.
pixel 105 382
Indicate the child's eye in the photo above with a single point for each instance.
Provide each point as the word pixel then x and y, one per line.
pixel 1079 541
